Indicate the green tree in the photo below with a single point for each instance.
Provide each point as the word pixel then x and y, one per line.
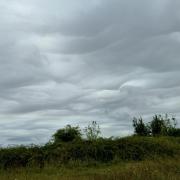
pixel 92 131
pixel 162 125
pixel 139 127
pixel 174 132
pixel 67 134
pixel 157 125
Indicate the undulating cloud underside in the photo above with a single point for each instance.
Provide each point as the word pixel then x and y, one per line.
pixel 72 62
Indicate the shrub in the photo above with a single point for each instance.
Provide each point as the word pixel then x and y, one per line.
pixel 174 132
pixel 159 126
pixel 162 125
pixel 67 134
pixel 139 127
pixel 92 131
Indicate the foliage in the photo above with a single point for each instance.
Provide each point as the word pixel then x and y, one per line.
pixel 67 134
pixel 162 125
pixel 155 140
pixel 92 131
pixel 159 126
pixel 139 127
pixel 174 132
pixel 103 151
pixel 21 156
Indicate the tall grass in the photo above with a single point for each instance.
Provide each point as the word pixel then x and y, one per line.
pixel 161 169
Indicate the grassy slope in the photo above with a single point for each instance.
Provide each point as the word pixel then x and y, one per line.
pixel 161 169
pixel 161 160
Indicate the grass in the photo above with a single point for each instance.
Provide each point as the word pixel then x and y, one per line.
pixel 159 169
pixel 130 158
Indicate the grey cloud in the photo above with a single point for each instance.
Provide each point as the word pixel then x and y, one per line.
pixel 65 62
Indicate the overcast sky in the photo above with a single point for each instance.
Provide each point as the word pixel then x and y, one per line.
pixel 75 61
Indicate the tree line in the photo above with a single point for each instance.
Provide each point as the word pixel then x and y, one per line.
pixel 159 126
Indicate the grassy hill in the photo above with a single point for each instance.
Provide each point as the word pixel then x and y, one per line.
pixel 124 158
pixel 152 153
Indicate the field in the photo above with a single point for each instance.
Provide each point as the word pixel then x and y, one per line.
pixel 160 169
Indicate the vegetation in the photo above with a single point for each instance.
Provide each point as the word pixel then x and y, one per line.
pixel 159 169
pixel 159 126
pixel 67 134
pixel 140 128
pixel 158 139
pixel 92 131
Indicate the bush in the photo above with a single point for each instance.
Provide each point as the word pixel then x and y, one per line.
pixel 139 127
pixel 104 150
pixel 174 132
pixel 21 156
pixel 67 134
pixel 159 126
pixel 162 125
pixel 92 131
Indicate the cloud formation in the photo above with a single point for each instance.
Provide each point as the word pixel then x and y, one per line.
pixel 66 62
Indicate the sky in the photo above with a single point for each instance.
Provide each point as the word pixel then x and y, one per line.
pixel 72 62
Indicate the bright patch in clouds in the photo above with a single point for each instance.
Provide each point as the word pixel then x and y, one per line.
pixel 71 62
